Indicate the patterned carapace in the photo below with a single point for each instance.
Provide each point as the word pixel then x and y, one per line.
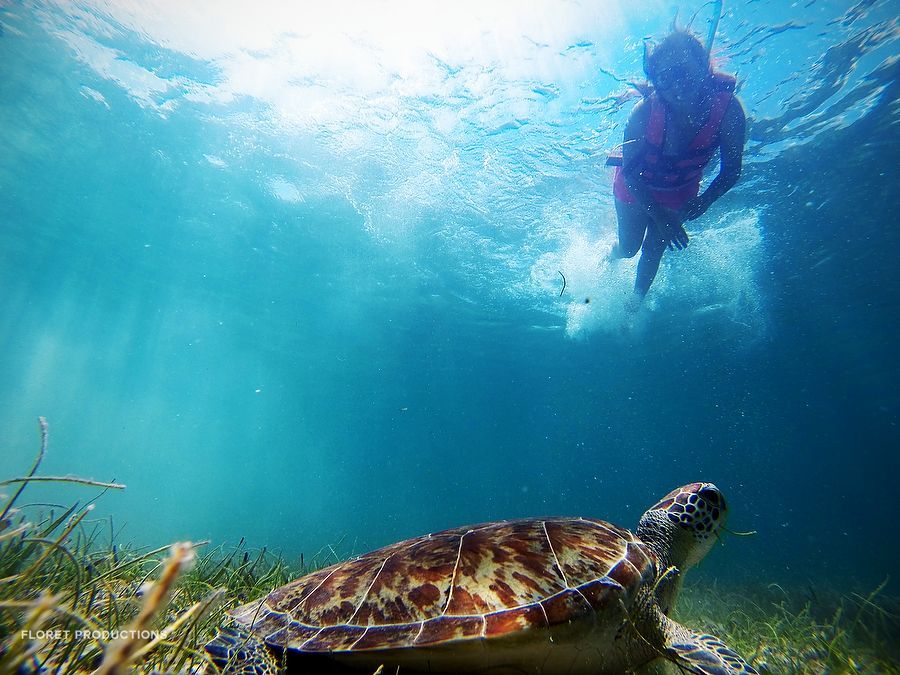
pixel 476 582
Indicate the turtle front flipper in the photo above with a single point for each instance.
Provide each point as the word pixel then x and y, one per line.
pixel 703 654
pixel 237 652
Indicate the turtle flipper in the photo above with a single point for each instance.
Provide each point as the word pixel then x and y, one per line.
pixel 703 654
pixel 237 652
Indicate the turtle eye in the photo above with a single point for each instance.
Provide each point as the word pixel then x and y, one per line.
pixel 713 497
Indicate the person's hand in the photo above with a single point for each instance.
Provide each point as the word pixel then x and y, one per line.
pixel 669 227
pixel 694 208
pixel 678 238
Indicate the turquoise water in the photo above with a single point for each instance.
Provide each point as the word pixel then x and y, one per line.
pixel 294 276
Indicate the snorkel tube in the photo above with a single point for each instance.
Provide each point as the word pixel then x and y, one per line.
pixel 713 26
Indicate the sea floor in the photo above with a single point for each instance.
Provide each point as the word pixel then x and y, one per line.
pixel 70 605
pixel 73 600
pixel 799 629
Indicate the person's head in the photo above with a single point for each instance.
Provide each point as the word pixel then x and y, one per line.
pixel 677 67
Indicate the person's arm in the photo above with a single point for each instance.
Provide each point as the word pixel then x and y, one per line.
pixel 731 152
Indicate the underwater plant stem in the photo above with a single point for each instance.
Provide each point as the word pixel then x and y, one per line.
pixel 129 563
pixel 214 598
pixel 62 479
pixel 45 434
pixel 31 604
pixel 749 533
pixel 40 609
pixel 198 608
pixel 77 570
pixel 124 651
pixel 59 521
pixel 868 600
pixel 40 561
pixel 14 533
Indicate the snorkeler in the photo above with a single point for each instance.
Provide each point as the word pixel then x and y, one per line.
pixel 688 113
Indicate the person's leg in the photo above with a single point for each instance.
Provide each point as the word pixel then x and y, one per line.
pixel 633 221
pixel 651 254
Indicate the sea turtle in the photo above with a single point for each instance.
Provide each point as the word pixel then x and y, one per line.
pixel 542 596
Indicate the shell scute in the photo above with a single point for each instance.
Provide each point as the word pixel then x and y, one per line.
pixel 266 622
pixel 585 548
pixel 565 606
pixel 337 596
pixel 448 628
pixel 410 584
pixel 386 637
pixel 514 620
pixel 292 635
pixel 625 574
pixel 601 593
pixel 334 638
pixel 639 556
pixel 427 598
pixel 503 566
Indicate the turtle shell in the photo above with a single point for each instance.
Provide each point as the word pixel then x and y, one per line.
pixel 471 583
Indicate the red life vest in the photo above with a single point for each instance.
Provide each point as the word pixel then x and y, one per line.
pixel 677 172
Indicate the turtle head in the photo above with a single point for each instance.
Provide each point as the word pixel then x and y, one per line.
pixel 682 527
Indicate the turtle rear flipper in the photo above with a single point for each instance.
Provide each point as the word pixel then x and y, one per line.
pixel 703 654
pixel 237 652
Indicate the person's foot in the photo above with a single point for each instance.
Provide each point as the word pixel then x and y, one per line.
pixel 612 253
pixel 633 303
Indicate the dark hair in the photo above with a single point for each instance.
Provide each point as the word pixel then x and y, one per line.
pixel 673 43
